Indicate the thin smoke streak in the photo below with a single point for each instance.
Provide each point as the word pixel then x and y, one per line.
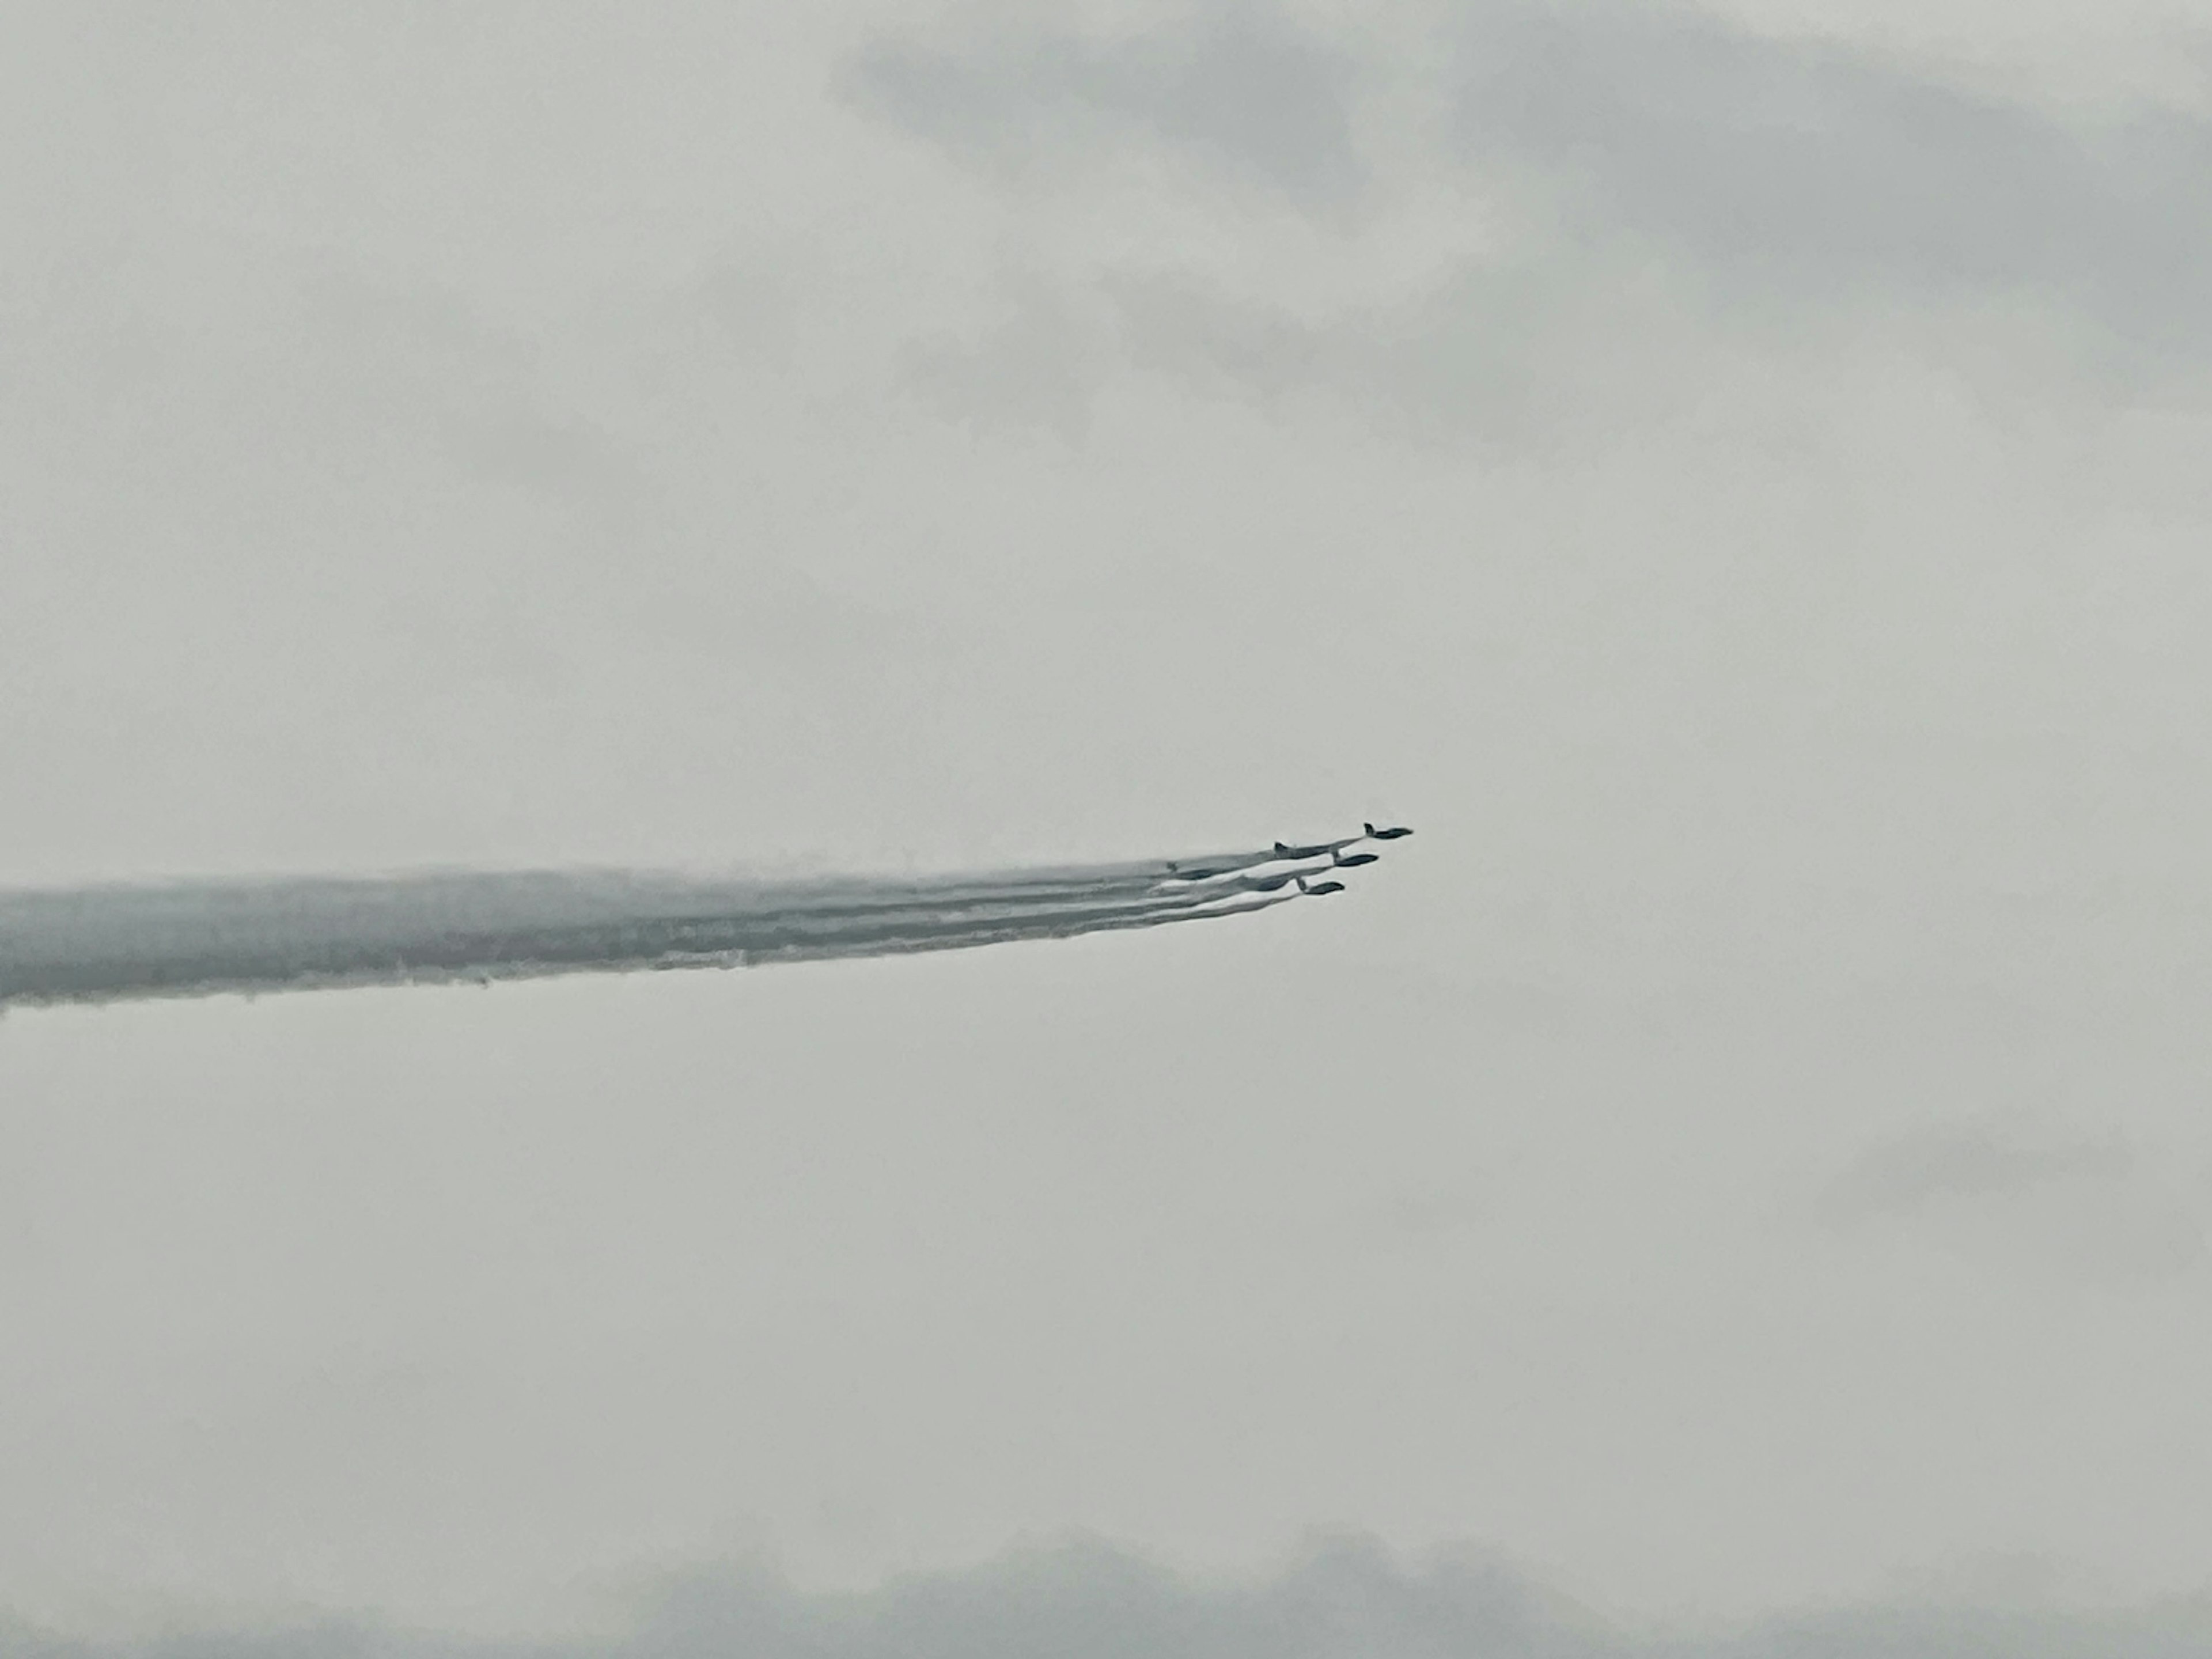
pixel 1016 933
pixel 117 943
pixel 777 934
pixel 951 937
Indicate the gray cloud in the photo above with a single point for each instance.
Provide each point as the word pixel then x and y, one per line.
pixel 1491 356
pixel 1906 1176
pixel 1236 86
pixel 2005 1194
pixel 1497 355
pixel 1657 169
pixel 1037 365
pixel 1795 167
pixel 1345 1596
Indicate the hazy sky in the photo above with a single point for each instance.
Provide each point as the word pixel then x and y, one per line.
pixel 1734 478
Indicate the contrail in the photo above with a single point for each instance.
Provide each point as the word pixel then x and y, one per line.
pixel 198 938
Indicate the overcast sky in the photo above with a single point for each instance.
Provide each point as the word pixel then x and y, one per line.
pixel 1732 477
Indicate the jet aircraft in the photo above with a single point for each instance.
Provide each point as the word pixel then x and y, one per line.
pixel 1393 834
pixel 1347 861
pixel 1319 887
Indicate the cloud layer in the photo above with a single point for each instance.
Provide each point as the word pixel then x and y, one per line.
pixel 1638 169
pixel 1345 1598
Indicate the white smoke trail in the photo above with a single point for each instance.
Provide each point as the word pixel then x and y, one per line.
pixel 113 943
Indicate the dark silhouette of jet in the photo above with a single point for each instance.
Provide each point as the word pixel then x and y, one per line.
pixel 1394 834
pixel 1319 887
pixel 1283 852
pixel 1343 861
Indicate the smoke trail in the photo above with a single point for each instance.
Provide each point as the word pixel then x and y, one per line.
pixel 104 944
pixel 915 940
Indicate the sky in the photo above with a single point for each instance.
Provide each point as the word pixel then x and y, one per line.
pixel 1730 476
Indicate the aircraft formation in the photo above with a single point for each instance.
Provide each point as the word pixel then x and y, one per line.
pixel 204 937
pixel 1257 873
